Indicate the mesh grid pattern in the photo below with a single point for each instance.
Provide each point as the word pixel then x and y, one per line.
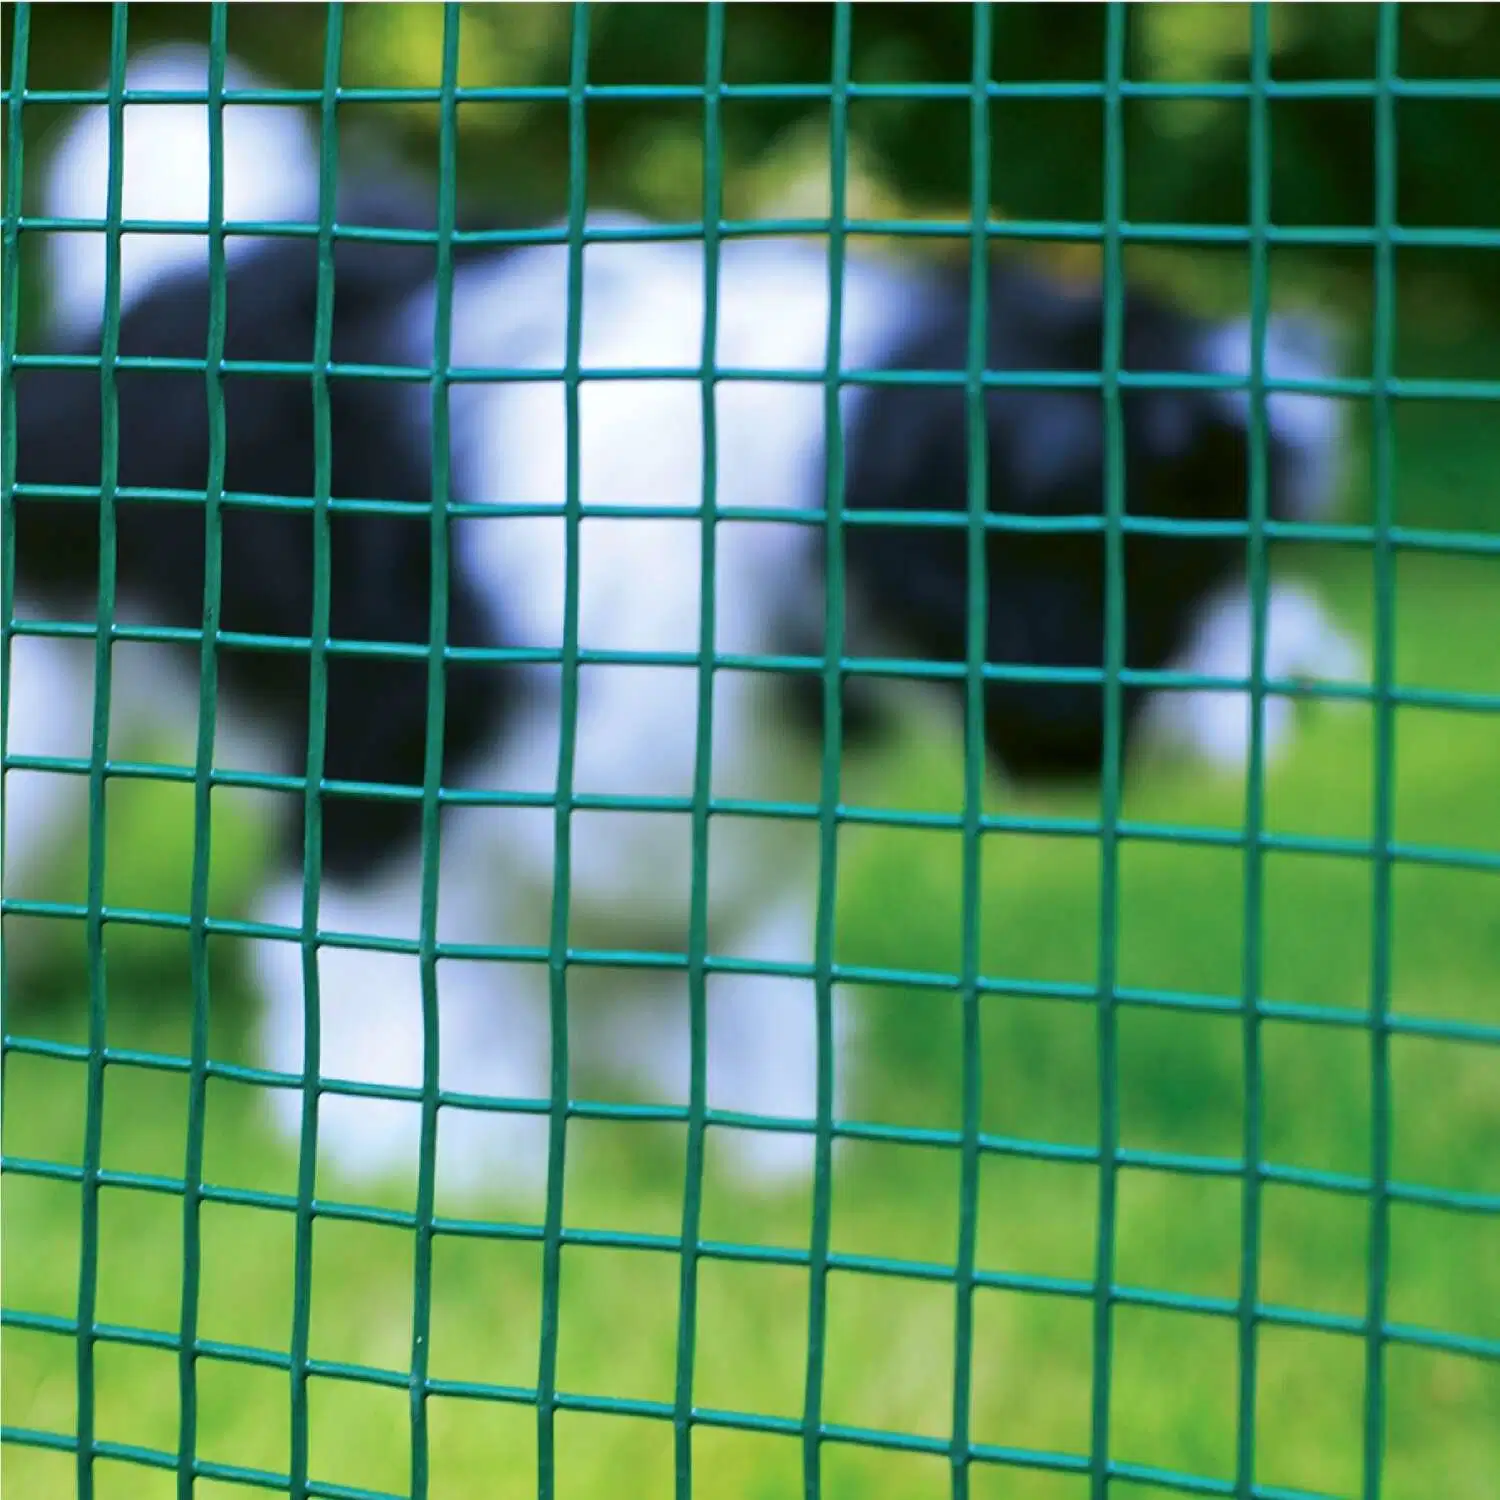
pixel 964 1274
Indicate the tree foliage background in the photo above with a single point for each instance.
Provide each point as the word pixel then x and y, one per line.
pixel 1187 158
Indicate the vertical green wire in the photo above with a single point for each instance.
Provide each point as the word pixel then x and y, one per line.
pixel 578 74
pixel 432 771
pixel 1114 659
pixel 10 311
pixel 974 743
pixel 833 731
pixel 88 1272
pixel 312 863
pixel 1258 580
pixel 692 1208
pixel 1382 456
pixel 187 1377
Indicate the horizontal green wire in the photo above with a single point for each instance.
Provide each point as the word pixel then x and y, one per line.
pixel 1067 380
pixel 983 1453
pixel 1402 538
pixel 1313 1179
pixel 1061 230
pixel 849 974
pixel 931 822
pixel 1082 380
pixel 1343 1185
pixel 1452 700
pixel 1329 88
pixel 1267 1314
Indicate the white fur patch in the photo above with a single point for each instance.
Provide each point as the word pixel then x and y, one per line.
pixel 269 174
pixel 50 715
pixel 640 578
pixel 493 1036
pixel 1312 427
pixel 1301 642
pixel 494 1023
pixel 639 591
pixel 154 693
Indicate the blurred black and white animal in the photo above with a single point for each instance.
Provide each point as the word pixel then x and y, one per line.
pixel 640 594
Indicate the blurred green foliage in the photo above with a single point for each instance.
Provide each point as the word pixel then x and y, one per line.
pixel 1187 158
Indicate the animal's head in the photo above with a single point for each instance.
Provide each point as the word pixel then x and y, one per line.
pixel 1184 456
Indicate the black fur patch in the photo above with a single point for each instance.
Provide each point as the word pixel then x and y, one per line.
pixel 379 587
pixel 1184 456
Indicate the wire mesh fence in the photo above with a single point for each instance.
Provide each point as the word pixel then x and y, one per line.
pixel 1269 1091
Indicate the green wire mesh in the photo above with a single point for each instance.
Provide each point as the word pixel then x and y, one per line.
pixel 972 1463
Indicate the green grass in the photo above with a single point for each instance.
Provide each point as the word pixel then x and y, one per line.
pixel 890 1337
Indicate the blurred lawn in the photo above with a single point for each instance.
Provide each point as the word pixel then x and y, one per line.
pixel 889 1351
